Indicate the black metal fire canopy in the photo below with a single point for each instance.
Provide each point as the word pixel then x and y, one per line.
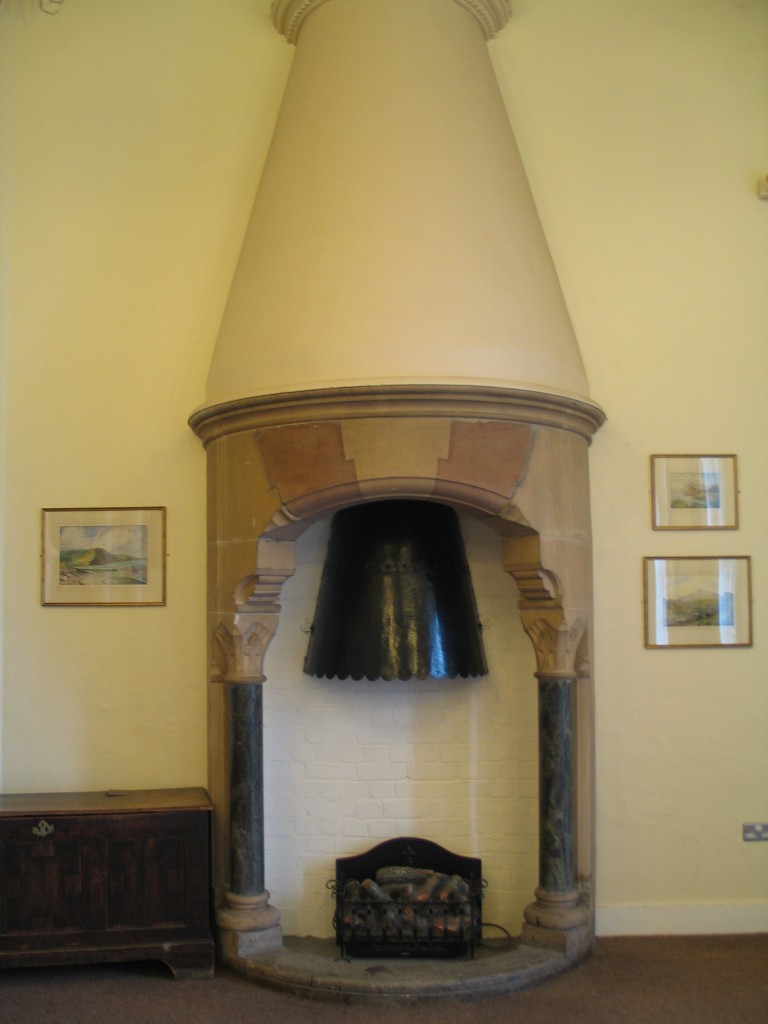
pixel 396 598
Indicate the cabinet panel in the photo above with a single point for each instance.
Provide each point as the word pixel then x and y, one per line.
pixel 127 879
pixel 43 886
pixel 147 883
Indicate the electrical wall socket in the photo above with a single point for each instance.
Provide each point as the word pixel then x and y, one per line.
pixel 755 832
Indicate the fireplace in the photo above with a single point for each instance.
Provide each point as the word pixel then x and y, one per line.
pixel 396 330
pixel 408 897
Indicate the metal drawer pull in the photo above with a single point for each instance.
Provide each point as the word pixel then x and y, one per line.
pixel 43 828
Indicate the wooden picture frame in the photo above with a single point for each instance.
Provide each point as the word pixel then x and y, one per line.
pixel 103 556
pixel 698 602
pixel 694 492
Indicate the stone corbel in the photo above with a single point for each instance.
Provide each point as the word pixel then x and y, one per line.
pixel 240 641
pixel 555 641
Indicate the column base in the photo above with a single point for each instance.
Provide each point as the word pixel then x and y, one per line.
pixel 247 925
pixel 561 922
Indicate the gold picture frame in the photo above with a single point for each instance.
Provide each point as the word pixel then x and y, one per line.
pixel 694 492
pixel 103 556
pixel 698 602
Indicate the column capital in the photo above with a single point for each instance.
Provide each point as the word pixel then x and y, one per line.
pixel 289 15
pixel 239 646
pixel 556 642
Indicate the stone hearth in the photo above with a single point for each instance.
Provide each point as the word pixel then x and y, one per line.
pixel 312 968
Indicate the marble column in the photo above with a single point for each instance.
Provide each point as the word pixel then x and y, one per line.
pixel 558 906
pixel 246 822
pixel 247 923
pixel 556 853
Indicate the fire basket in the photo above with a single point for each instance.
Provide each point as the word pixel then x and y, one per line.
pixel 408 897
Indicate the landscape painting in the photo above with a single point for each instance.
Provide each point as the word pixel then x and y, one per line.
pixel 104 556
pixel 700 607
pixel 697 602
pixel 694 492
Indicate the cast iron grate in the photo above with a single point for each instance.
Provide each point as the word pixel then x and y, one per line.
pixel 408 897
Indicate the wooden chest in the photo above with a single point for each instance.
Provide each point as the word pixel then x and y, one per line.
pixel 95 877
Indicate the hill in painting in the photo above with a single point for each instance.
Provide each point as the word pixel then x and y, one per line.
pixel 701 608
pixel 91 556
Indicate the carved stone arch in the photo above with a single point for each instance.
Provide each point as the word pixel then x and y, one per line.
pixel 241 640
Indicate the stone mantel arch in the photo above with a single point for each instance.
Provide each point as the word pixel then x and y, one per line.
pixel 517 462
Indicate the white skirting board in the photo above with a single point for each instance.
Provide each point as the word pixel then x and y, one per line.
pixel 682 919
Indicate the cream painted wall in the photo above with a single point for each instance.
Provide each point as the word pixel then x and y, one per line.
pixel 643 130
pixel 132 142
pixel 132 139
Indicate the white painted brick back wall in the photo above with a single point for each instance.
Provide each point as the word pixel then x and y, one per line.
pixel 348 764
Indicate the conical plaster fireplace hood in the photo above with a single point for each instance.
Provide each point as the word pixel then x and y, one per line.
pixel 395 329
pixel 393 239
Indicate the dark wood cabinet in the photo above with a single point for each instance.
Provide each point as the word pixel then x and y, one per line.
pixel 95 877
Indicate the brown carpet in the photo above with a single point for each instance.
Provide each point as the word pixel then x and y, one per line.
pixel 671 980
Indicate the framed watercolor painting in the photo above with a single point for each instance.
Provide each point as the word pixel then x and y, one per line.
pixel 694 492
pixel 103 556
pixel 698 602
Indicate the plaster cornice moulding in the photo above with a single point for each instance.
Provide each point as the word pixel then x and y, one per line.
pixel 289 15
pixel 493 15
pixel 22 10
